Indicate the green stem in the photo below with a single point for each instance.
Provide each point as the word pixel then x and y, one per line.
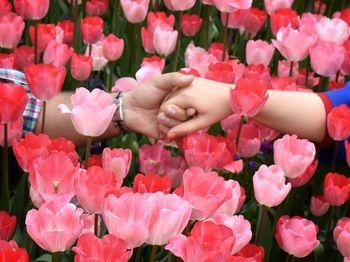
pixel 306 83
pixel 291 68
pixel 115 22
pixel 335 153
pixel 261 220
pixel 36 42
pixel 43 118
pixel 241 123
pixel 56 257
pixel 225 36
pixel 205 34
pixel 178 45
pixel 110 75
pixel 96 225
pixel 323 83
pixel 153 253
pixel 77 27
pixel 138 256
pixel 5 196
pixel 87 152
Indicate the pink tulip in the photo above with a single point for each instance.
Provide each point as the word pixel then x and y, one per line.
pixel 175 5
pixel 197 58
pixel 112 47
pixel 81 67
pixel 153 158
pixel 147 72
pixel 293 44
pixel 341 235
pixel 306 176
pixel 67 27
pixel 11 29
pixel 270 187
pixel 332 30
pixel 318 206
pixel 175 169
pixel 249 141
pixel 207 241
pixel 231 206
pixel 190 24
pixel 54 226
pixel 208 2
pixel 135 11
pixel 240 227
pixel 92 29
pixel 14 131
pixel 97 7
pixel 326 58
pixel 107 248
pixel 164 40
pixel 228 6
pixel 46 33
pixel 53 177
pixel 296 236
pixel 284 69
pixel 235 19
pixel 128 217
pixel 89 223
pixel 92 112
pixel 24 55
pixel 293 155
pixel 170 217
pixel 35 9
pixel 117 161
pixel 217 49
pixel 91 187
pixel 205 191
pixel 57 53
pixel 272 5
pixel 254 20
pixel 124 84
pixel 259 52
pixel 98 59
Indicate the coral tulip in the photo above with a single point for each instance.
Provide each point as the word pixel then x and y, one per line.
pixel 92 29
pixel 7 225
pixel 81 67
pixel 336 189
pixel 338 122
pixel 11 30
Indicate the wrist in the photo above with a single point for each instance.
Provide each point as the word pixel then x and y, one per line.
pixel 118 119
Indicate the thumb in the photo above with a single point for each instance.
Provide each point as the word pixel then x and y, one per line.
pixel 186 127
pixel 169 81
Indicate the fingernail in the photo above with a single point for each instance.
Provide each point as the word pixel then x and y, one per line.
pixel 171 137
pixel 185 78
pixel 170 111
pixel 163 119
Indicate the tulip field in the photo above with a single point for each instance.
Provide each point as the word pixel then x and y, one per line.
pixel 234 191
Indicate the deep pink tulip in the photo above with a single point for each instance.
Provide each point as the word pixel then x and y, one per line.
pixel 117 161
pixel 207 241
pixel 54 226
pixel 175 5
pixel 45 80
pixel 92 111
pixel 254 20
pixel 336 189
pixel 205 191
pixel 190 24
pixel 153 158
pixel 128 217
pixel 332 30
pixel 92 29
pixel 259 52
pixel 53 177
pixel 293 155
pixel 170 216
pixel 257 72
pixel 8 225
pixel 227 6
pixel 272 5
pixel 91 187
pixel 5 7
pixel 24 55
pixel 107 248
pixel 57 54
pixel 341 235
pixel 11 29
pixel 197 58
pixel 135 11
pixel 81 67
pixel 270 187
pixel 240 227
pixel 326 58
pixel 97 7
pixel 318 206
pixel 293 44
pixel 35 9
pixel 296 236
pixel 112 47
pixel 14 131
pixel 7 61
pixel 282 18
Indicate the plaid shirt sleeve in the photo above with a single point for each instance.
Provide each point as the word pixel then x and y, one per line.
pixel 32 110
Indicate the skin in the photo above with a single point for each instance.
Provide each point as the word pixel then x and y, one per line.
pixel 290 112
pixel 141 107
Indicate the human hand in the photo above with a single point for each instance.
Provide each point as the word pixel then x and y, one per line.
pixel 141 105
pixel 208 100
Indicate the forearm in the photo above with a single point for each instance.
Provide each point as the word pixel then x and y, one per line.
pixel 60 125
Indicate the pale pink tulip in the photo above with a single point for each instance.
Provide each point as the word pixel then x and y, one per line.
pixel 164 40
pixel 293 155
pixel 117 161
pixel 170 217
pixel 54 226
pixel 176 5
pixel 293 44
pixel 326 58
pixel 147 72
pixel 197 58
pixel 240 227
pixel 128 218
pixel 272 5
pixel 259 52
pixel 231 206
pixel 318 206
pixel 297 236
pixel 124 84
pixel 341 235
pixel 57 53
pixel 135 11
pixel 270 187
pixel 284 69
pixel 228 6
pixel 92 112
pixel 98 59
pixel 11 30
pixel 205 191
pixel 332 30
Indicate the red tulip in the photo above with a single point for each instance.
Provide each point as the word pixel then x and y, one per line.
pixel 9 251
pixel 254 20
pixel 24 55
pixel 7 225
pixel 68 30
pixel 5 7
pixel 11 29
pixel 13 99
pixel 151 183
pixel 249 96
pixel 46 33
pixel 282 18
pixel 154 61
pixel 338 122
pixel 45 81
pixel 190 24
pixel 97 7
pixel 92 29
pixel 95 160
pixel 35 9
pixel 336 189
pixel 112 47
pixel 7 61
pixel 221 72
pixel 62 144
pixel 81 67
pixel 345 15
pixel 252 252
pixel 257 72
